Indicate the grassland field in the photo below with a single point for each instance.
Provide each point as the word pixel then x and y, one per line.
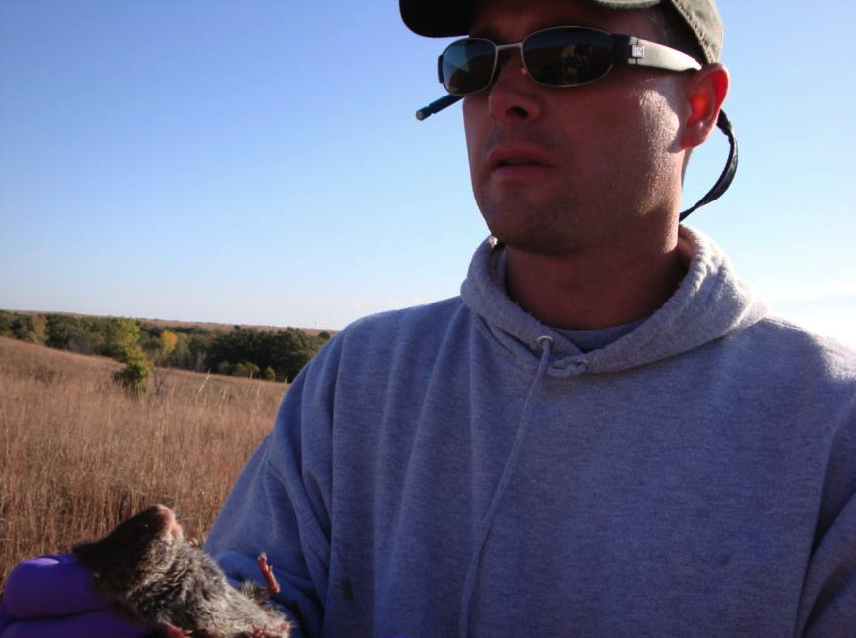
pixel 78 454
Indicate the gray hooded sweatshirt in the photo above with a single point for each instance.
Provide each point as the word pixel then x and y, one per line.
pixel 460 469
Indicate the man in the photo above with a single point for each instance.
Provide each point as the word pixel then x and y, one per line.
pixel 605 435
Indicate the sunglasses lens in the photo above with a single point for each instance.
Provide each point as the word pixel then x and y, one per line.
pixel 565 56
pixel 468 65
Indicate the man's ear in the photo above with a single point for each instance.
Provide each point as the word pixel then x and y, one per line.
pixel 705 92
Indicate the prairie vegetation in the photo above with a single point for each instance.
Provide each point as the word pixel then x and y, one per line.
pixel 78 454
pixel 276 354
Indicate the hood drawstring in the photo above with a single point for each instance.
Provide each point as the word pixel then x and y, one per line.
pixel 544 342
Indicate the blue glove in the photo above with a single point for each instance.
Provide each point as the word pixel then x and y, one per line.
pixel 51 597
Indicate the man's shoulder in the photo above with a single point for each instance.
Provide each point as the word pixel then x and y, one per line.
pixel 424 319
pixel 782 342
pixel 401 332
pixel 374 345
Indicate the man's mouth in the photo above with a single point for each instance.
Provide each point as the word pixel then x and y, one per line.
pixel 517 169
pixel 515 161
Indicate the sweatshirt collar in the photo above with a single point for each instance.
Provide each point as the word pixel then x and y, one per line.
pixel 711 302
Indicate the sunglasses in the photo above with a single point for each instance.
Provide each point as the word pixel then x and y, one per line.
pixel 558 56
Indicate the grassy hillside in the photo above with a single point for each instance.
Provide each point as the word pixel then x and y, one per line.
pixel 77 454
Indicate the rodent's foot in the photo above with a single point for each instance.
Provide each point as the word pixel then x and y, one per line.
pixel 264 632
pixel 267 572
pixel 175 632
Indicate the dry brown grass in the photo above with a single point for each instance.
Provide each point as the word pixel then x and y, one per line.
pixel 77 454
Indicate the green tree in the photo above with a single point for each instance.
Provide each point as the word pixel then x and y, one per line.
pixel 134 377
pixel 78 334
pixel 31 328
pixel 38 329
pixel 246 369
pixel 197 346
pixel 19 327
pixel 59 331
pixel 6 319
pixel 269 374
pixel 123 344
pixel 123 336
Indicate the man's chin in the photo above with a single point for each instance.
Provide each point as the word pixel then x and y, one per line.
pixel 529 230
pixel 533 242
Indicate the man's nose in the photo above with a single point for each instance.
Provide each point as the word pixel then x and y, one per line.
pixel 513 95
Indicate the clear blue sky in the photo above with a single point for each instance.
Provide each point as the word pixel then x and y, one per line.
pixel 257 161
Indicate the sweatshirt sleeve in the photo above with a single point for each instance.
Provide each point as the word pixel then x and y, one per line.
pixel 280 504
pixel 828 605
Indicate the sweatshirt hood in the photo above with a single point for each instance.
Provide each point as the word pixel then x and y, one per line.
pixel 710 303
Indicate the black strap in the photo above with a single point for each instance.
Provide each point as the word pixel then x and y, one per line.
pixel 728 172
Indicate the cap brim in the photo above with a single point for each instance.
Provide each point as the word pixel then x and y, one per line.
pixel 444 18
pixel 437 19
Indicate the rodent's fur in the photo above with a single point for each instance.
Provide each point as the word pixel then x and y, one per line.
pixel 153 575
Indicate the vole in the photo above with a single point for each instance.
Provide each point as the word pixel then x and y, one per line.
pixel 153 575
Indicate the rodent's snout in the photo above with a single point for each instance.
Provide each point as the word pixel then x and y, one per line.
pixel 169 522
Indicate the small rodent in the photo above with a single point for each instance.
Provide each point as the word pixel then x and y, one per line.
pixel 154 576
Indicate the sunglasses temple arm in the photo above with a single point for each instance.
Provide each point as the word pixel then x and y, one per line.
pixel 728 172
pixel 436 106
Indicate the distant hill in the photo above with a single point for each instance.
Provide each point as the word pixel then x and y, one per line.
pixel 171 324
pixel 268 352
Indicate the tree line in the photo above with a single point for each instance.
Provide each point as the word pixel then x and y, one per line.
pixel 275 355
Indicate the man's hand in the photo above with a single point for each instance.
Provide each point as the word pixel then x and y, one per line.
pixel 51 597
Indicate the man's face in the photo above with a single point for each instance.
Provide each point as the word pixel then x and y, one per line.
pixel 556 170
